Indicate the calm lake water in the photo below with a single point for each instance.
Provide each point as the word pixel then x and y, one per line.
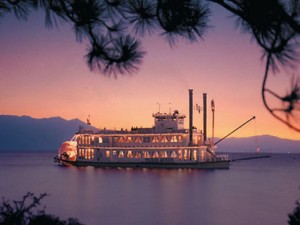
pixel 261 191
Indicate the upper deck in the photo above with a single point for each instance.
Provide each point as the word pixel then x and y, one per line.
pixel 168 130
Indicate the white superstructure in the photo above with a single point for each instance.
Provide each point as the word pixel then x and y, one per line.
pixel 167 144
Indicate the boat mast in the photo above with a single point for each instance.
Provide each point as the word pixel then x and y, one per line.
pixel 213 121
pixel 190 117
pixel 204 117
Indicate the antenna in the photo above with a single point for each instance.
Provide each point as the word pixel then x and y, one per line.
pixel 213 120
pixel 158 106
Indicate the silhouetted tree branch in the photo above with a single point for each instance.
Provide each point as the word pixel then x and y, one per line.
pixel 113 29
pixel 294 218
pixel 26 212
pixel 275 27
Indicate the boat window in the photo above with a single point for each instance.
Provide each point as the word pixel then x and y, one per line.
pixel 173 154
pixel 180 154
pixel 138 140
pixel 146 154
pixel 155 139
pixel 87 140
pixel 121 139
pixel 129 154
pixel 129 139
pixel 100 140
pixel 81 140
pixel 114 152
pixel 107 153
pixel 174 139
pixel 121 154
pixel 88 153
pixel 164 154
pixel 202 154
pixel 164 139
pixel 195 155
pixel 138 155
pixel 155 155
pixel 185 154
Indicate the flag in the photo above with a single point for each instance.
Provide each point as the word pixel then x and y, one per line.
pixel 197 107
pixel 212 105
pixel 88 121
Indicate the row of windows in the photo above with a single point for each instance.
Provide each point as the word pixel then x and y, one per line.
pixel 130 154
pixel 87 140
pixel 86 153
pixel 154 139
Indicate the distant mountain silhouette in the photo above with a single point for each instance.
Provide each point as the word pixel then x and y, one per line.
pixel 26 133
pixel 265 143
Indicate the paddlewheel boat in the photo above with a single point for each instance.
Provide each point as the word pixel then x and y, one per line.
pixel 165 145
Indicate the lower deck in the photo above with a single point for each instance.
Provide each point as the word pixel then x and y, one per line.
pixel 217 164
pixel 171 157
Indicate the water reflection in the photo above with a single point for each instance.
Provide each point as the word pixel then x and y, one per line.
pixel 249 193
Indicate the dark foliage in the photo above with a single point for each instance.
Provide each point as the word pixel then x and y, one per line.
pixel 112 29
pixel 294 218
pixel 27 212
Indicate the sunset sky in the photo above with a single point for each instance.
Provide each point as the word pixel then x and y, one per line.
pixel 43 74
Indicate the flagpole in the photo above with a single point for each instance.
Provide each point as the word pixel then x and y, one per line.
pixel 213 121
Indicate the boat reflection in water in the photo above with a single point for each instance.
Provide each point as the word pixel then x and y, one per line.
pixel 166 145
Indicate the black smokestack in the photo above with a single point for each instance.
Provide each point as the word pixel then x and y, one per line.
pixel 204 117
pixel 191 116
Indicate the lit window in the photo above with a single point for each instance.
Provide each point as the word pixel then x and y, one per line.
pixel 121 139
pixel 129 139
pixel 107 153
pixel 138 140
pixel 129 154
pixel 146 154
pixel 185 154
pixel 155 155
pixel 202 154
pixel 100 140
pixel 180 154
pixel 89 153
pixel 121 154
pixel 174 139
pixel 195 155
pixel 173 154
pixel 164 139
pixel 138 155
pixel 164 154
pixel 179 138
pixel 155 139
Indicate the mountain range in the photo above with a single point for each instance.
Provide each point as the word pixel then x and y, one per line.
pixel 19 133
pixel 27 133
